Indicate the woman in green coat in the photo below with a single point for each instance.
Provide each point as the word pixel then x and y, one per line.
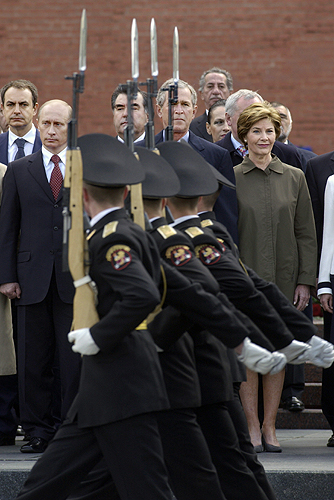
pixel 276 238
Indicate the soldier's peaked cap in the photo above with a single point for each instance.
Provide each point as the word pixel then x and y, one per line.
pixel 107 162
pixel 160 178
pixel 194 173
pixel 222 180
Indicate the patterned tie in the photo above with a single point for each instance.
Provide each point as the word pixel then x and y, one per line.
pixel 56 179
pixel 242 150
pixel 20 148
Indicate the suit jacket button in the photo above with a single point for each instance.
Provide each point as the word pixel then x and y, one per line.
pixel 51 252
pixel 55 228
pixel 55 206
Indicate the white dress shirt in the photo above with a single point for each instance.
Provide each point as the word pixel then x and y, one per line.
pixel 28 147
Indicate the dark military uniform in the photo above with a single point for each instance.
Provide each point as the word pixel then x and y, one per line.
pixel 121 385
pixel 214 375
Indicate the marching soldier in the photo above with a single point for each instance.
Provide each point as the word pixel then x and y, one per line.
pixel 121 381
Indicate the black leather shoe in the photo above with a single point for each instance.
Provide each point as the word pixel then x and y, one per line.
pixel 7 440
pixel 35 445
pixel 20 431
pixel 293 404
pixel 330 442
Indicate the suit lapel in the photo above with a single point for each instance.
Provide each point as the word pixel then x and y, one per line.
pixel 4 148
pixel 159 137
pixel 38 143
pixel 196 144
pixel 37 170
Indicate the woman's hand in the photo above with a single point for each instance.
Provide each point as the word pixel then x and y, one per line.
pixel 326 301
pixel 301 297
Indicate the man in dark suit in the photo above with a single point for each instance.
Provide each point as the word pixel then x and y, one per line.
pixel 317 172
pixel 286 128
pixel 214 84
pixel 19 106
pixel 235 104
pixel 31 273
pixel 119 106
pixel 121 382
pixel 183 112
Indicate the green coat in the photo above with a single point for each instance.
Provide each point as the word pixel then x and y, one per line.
pixel 276 227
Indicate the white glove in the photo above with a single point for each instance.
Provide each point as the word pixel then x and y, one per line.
pixel 83 342
pixel 260 360
pixel 296 352
pixel 321 352
pixel 279 362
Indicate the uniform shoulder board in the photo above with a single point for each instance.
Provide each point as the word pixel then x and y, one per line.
pixel 109 228
pixel 206 223
pixel 166 231
pixel 194 231
pixel 90 235
pixel 222 244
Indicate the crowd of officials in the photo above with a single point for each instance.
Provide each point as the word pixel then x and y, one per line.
pixel 147 409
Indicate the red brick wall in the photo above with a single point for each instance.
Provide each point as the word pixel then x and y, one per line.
pixel 283 49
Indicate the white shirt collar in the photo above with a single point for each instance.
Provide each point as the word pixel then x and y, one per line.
pixel 29 136
pixel 184 138
pixel 100 215
pixel 183 219
pixel 140 138
pixel 47 155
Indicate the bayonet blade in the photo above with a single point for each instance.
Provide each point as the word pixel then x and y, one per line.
pixel 176 55
pixel 154 49
pixel 134 51
pixel 83 41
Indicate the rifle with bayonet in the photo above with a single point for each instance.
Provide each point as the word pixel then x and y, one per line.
pixel 74 241
pixel 151 88
pixel 136 200
pixel 173 88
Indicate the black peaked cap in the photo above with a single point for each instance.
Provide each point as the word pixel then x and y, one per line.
pixel 221 178
pixel 194 173
pixel 160 180
pixel 108 162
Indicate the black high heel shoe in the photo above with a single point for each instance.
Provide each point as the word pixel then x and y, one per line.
pixel 259 448
pixel 271 448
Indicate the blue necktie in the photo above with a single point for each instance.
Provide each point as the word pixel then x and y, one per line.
pixel 20 148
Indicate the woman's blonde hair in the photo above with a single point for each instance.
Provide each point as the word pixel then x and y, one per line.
pixel 253 114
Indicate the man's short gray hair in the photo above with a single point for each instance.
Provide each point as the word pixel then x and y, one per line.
pixel 232 100
pixel 161 97
pixel 220 71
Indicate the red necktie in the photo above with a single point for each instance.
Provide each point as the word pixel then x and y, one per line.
pixel 56 179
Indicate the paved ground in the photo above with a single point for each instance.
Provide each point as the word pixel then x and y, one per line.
pixel 303 450
pixel 304 470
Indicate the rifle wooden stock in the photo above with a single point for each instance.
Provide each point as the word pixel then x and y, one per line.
pixel 84 310
pixel 137 208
